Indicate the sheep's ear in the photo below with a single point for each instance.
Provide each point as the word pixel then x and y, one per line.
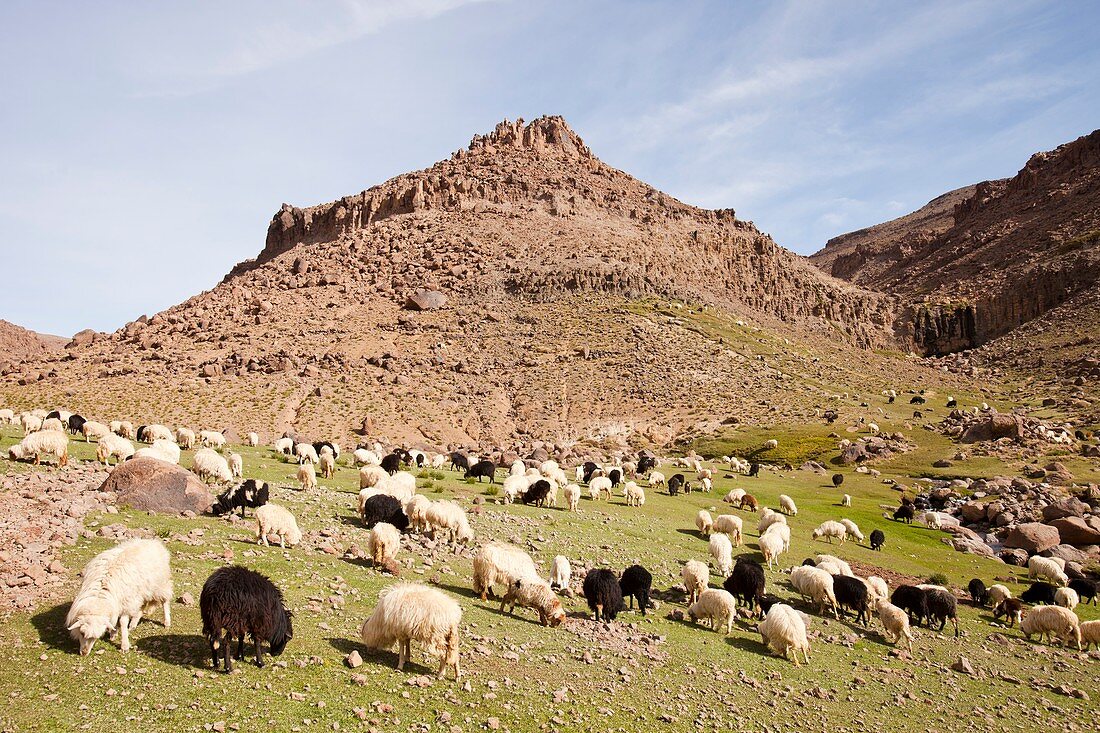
pixel 76 625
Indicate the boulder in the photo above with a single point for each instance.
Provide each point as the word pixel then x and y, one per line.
pixel 1071 506
pixel 854 453
pixel 426 300
pixel 1077 531
pixel 1032 536
pixel 971 546
pixel 972 511
pixel 82 338
pixel 148 484
pixel 993 428
pixel 1014 557
pixel 1068 553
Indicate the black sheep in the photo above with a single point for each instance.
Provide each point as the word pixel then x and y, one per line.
pixel 635 584
pixel 766 602
pixel 912 600
pixel 890 400
pixel 419 459
pixel 54 414
pixel 917 400
pixel 878 539
pixel 1086 589
pixel 838 479
pixel 590 469
pixel 810 562
pixel 391 464
pixel 754 469
pixel 904 513
pixel 321 444
pixel 645 463
pixel 941 606
pixel 1039 593
pixel 978 592
pixel 675 484
pixel 918 414
pixel 236 601
pixel 250 493
pixel 459 461
pixel 76 424
pixel 384 508
pixel 602 591
pixel 1011 608
pixel 616 476
pixel 537 492
pixel 851 593
pixel 140 433
pixel 746 582
pixel 952 402
pixel 483 469
pixel 831 416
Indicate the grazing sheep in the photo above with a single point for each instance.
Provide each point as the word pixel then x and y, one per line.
pixel 384 508
pixel 371 476
pixel 416 509
pixel 536 593
pixel 307 476
pixel 1067 598
pixel 252 439
pixel 904 513
pixel 599 486
pixel 1048 568
pixel 1090 634
pixel 749 503
pixel 781 530
pixel 1011 608
pixel 676 484
pixel 1051 622
pixel 272 519
pixel 409 612
pixel 634 494
pixel 771 444
pixel 722 551
pixel 977 590
pixel 846 500
pixel 113 446
pixel 703 522
pixel 784 632
pixel 912 600
pixel 895 622
pixel 30 423
pixel 729 524
pixel 815 584
pixel 118 586
pixel 771 544
pixel 327 464
pixel 572 494
pixel 560 572
pixel 746 582
pixel 483 469
pixel 364 457
pixel 450 518
pixel 696 576
pixel 656 478
pixel 212 439
pixel 42 443
pixel 90 429
pixel 734 496
pixel 878 589
pixel 250 493
pixel 996 594
pixel 384 542
pixel 1039 593
pixel 851 593
pixel 830 530
pixel 496 563
pixel 7 417
pixel 185 438
pixel 284 446
pixel 306 453
pixel 838 479
pixel 537 493
pixel 604 596
pixel 636 583
pixel 767 519
pixel 717 607
pixel 852 530
pixel 942 606
pixel 236 464
pixel 1086 589
pixel 787 505
pixel 55 424
pixel 878 539
pixel 208 464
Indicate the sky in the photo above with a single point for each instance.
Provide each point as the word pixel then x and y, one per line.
pixel 144 147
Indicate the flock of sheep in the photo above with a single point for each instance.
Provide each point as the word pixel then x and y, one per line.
pixel 124 582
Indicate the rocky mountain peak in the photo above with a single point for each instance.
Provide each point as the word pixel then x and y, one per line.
pixel 548 135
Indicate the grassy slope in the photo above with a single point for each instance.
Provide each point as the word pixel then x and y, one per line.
pixel 165 682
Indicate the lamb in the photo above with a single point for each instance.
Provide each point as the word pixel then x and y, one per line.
pixel 852 593
pixel 272 519
pixel 250 493
pixel 895 622
pixel 113 446
pixel 846 500
pixel 784 632
pixel 703 522
pixel 656 478
pixel 236 601
pixel 767 519
pixel 634 494
pixel 536 593
pixel 42 443
pixel 1048 568
pixel 185 438
pixel 878 539
pixel 815 584
pixel 572 494
pixel 722 551
pixel 977 590
pixel 207 464
pixel 306 453
pixel 1011 608
pixel 384 508
pixel 771 544
pixel 384 542
pixel 1039 592
pixel 496 563
pixel 996 594
pixel 252 439
pixel 636 583
pixel 327 463
pixel 450 517
pixel 371 476
pixel 746 582
pixel 602 591
pixel 91 429
pixel 560 572
pixel 1086 589
pixel 119 585
pixel 729 524
pixel 696 576
pixel 599 486
pixel 307 476
pixel 749 503
pixel 787 505
pixel 734 496
pixel 715 606
pixel 852 530
pixel 212 439
pixel 1051 622
pixel 1090 634
pixel 236 464
pixel 830 530
pixel 1067 598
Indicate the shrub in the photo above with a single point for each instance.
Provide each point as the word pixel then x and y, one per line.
pixel 937 579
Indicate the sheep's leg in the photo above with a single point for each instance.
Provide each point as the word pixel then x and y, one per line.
pixel 227 656
pixel 259 652
pixel 240 646
pixel 124 632
pixel 214 651
pixel 167 606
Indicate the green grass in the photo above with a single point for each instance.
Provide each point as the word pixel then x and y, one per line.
pixel 513 665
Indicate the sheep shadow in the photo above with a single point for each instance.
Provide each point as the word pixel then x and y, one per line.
pixel 50 625
pixel 748 644
pixel 345 646
pixel 388 659
pixel 353 520
pixel 692 533
pixel 183 650
pixel 467 592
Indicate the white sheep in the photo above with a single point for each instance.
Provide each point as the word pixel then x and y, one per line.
pixel 896 623
pixel 877 587
pixel 401 485
pixel 536 593
pixel 498 562
pixel 599 486
pixel 815 584
pixel 124 429
pixel 514 487
pixel 771 444
pixel 438 460
pixel 771 544
pixel 560 572
pixel 656 478
pixel 364 457
pixel 409 612
pixel 998 594
pixel 1090 634
pixel 706 485
pixel 931 520
pixel 1048 568
pixel 92 429
pixel 327 463
pixel 846 500
pixel 306 453
pixel 451 518
pixel 704 473
pixel 371 475
pixel 1067 598
pixel 212 439
pixel 157 432
pixel 872 428
pixel 30 423
pixel 284 446
pixel 840 567
pixel 383 543
pixel 787 505
pixel 722 551
pixel 784 632
pixel 729 524
pixel 7 417
pixel 252 439
pixel 416 509
pixel 119 585
pixel 852 530
pixel 1051 622
pixel 518 468
pixel 113 446
pixel 572 494
pixel 163 450
pixel 783 531
pixel 307 476
pixel 715 606
pixel 185 438
pixel 634 494
pixel 696 576
pixel 236 464
pixel 703 522
pixel 53 423
pixel 734 496
pixel 830 530
pixel 208 464
pixel 272 519
pixel 42 443
pixel 767 519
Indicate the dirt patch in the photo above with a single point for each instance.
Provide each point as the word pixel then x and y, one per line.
pixel 624 640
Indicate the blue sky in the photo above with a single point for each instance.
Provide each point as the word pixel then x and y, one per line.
pixel 145 146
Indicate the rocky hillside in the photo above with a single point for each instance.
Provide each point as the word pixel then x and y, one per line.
pixel 18 343
pixel 978 262
pixel 520 289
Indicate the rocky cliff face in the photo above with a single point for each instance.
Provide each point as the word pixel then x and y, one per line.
pixel 976 263
pixel 18 344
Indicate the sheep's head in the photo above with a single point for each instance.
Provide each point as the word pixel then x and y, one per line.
pixel 556 614
pixel 294 536
pixel 817 533
pixel 87 630
pixel 284 632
